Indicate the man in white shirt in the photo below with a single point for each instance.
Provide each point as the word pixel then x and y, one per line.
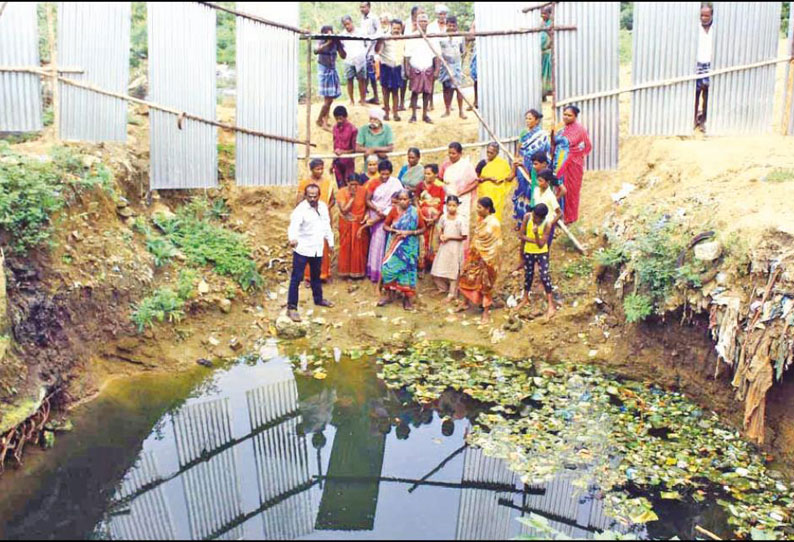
pixel 370 27
pixel 704 55
pixel 439 26
pixel 309 228
pixel 422 67
pixel 355 64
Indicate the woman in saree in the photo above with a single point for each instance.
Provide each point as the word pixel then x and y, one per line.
pixel 479 272
pixel 495 178
pixel 412 173
pixel 530 141
pixel 401 260
pixel 460 179
pixel 430 195
pixel 379 204
pixel 327 196
pixel 545 50
pixel 353 235
pixel 571 147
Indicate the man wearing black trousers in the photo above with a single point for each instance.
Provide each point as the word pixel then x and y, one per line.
pixel 309 228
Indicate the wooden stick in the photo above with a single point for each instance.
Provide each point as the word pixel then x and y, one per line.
pixel 308 97
pixel 491 133
pixel 553 64
pixel 537 6
pixel 47 69
pixel 3 7
pixel 450 35
pixel 251 17
pixel 788 93
pixel 159 107
pixel 477 145
pixel 676 80
pixel 711 535
pixel 54 63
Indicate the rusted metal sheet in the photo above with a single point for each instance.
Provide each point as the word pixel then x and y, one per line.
pixel 103 53
pixel 742 102
pixel 587 62
pixel 20 93
pixel 509 67
pixel 182 55
pixel 661 52
pixel 267 95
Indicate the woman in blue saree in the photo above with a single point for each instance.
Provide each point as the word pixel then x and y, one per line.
pixel 531 140
pixel 400 264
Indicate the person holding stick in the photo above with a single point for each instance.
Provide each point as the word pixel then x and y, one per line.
pixel 422 67
pixel 327 76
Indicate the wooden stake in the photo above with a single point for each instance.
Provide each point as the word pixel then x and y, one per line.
pixel 152 105
pixel 54 64
pixel 553 64
pixel 308 97
pixel 255 18
pixel 492 134
pixel 789 103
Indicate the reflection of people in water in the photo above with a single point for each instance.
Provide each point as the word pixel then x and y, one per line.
pixel 318 440
pixel 447 427
pixel 402 431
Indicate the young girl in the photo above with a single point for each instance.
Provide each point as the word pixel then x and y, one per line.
pixel 480 270
pixel 536 251
pixel 449 260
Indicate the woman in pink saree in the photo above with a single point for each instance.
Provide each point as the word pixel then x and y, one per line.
pixel 571 147
pixel 460 179
pixel 379 204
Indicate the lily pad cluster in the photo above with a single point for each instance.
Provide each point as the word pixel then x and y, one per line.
pixel 576 421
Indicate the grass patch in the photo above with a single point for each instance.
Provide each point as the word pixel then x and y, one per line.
pixel 196 230
pixel 780 176
pixel 625 46
pixel 32 191
pixel 580 268
pixel 166 303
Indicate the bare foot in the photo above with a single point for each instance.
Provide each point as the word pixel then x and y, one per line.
pixel 445 115
pixel 407 305
pixel 486 318
pixel 427 119
pixel 412 119
pixel 397 118
pixel 462 307
pixel 383 301
pixel 462 116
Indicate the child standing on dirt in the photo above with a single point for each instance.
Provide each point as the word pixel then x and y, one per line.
pixel 536 234
pixel 448 262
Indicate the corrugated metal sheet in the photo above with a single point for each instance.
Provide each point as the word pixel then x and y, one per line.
pixel 20 93
pixel 103 52
pixel 267 95
pixel 202 428
pixel 480 516
pixel 272 401
pixel 509 67
pixel 664 51
pixel 790 52
pixel 742 102
pixel 182 75
pixel 587 62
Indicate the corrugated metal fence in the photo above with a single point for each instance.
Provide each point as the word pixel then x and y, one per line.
pixel 103 52
pixel 20 93
pixel 509 68
pixel 742 102
pixel 182 55
pixel 587 62
pixel 267 95
pixel 664 110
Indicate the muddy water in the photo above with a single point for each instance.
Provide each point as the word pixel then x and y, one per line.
pixel 254 451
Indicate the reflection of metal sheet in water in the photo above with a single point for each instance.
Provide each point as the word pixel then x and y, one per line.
pixel 480 516
pixel 272 401
pixel 212 494
pixel 201 428
pixel 349 502
pixel 148 516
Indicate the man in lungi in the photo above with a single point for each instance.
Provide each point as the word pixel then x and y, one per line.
pixel 422 67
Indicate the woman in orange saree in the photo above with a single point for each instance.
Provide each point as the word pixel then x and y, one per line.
pixel 353 235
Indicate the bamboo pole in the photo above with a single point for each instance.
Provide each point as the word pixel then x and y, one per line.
pixel 450 35
pixel 308 97
pixel 434 150
pixel 3 8
pixel 536 6
pixel 673 81
pixel 47 69
pixel 56 121
pixel 251 17
pixel 789 102
pixel 708 533
pixel 492 134
pixel 553 64
pixel 152 105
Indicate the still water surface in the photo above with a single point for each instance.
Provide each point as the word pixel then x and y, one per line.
pixel 254 451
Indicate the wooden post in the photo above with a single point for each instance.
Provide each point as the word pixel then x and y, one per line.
pixel 308 97
pixel 54 67
pixel 789 102
pixel 553 63
pixel 492 134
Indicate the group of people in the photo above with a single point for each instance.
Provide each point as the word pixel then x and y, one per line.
pixel 397 65
pixel 392 229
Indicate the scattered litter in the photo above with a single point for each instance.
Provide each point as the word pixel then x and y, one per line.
pixel 625 190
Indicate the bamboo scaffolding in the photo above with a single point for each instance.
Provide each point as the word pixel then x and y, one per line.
pixel 180 114
pixel 673 81
pixel 434 150
pixel 492 134
pixel 252 17
pixel 450 35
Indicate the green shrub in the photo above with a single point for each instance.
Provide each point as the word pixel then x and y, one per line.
pixel 161 249
pixel 637 307
pixel 186 284
pixel 204 242
pixel 613 256
pixel 164 303
pixel 32 191
pixel 580 268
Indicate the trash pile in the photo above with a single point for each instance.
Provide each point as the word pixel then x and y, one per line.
pixel 574 420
